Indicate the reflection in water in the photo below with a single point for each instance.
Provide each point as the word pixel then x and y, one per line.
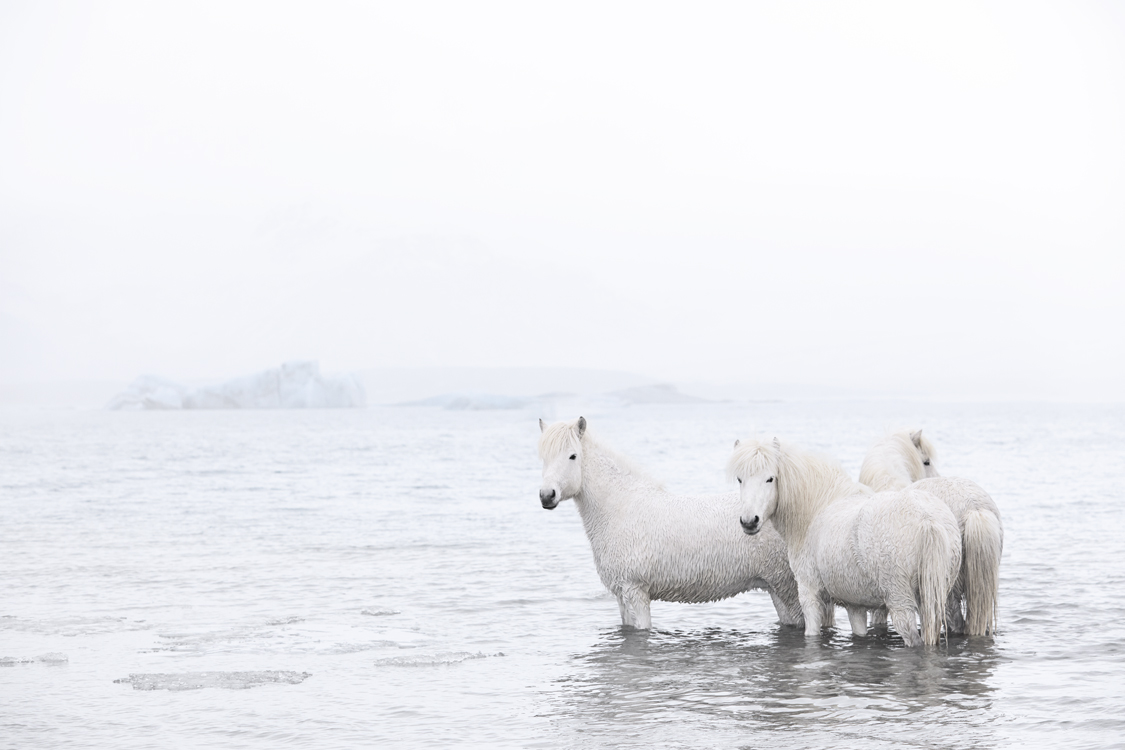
pixel 775 684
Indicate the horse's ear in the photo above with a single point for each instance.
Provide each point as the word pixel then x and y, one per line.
pixel 542 425
pixel 581 426
pixel 736 442
pixel 916 438
pixel 777 445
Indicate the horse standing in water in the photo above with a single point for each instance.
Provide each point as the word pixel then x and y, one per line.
pixel 900 550
pixel 651 544
pixel 907 459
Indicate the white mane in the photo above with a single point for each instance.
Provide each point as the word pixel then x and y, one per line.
pixel 894 462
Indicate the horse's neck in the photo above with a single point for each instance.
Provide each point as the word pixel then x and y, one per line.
pixel 885 468
pixel 606 480
pixel 890 474
pixel 805 488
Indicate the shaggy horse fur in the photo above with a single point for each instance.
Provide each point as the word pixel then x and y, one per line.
pixel 900 550
pixel 651 544
pixel 907 459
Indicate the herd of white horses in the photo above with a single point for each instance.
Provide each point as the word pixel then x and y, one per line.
pixel 901 543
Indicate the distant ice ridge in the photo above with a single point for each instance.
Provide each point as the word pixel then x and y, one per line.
pixel 294 385
pixel 470 402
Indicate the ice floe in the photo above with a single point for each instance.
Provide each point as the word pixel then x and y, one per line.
pixel 198 680
pixel 441 658
pixel 52 658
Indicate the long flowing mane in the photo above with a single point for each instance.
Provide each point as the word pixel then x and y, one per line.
pixel 894 462
pixel 561 437
pixel 805 481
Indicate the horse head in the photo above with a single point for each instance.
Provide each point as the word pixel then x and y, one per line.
pixel 927 453
pixel 755 465
pixel 560 447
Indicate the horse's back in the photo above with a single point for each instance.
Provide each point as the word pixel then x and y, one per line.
pixel 961 495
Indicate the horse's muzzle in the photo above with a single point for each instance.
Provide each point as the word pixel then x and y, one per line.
pixel 548 499
pixel 751 527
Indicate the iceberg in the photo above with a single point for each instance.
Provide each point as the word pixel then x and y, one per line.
pixel 293 385
pixel 149 392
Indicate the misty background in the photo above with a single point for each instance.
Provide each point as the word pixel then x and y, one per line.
pixel 866 199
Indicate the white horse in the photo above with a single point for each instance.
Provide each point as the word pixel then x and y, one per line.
pixel 650 544
pixel 907 459
pixel 899 550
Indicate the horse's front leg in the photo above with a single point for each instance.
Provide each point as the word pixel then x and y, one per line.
pixel 785 614
pixel 635 608
pixel 857 615
pixel 812 607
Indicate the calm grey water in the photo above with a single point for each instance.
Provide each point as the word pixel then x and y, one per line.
pixel 385 577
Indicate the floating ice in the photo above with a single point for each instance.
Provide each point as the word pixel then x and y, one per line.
pixel 51 658
pixel 197 680
pixel 432 660
pixel 294 385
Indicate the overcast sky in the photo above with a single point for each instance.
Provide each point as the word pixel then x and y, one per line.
pixel 843 194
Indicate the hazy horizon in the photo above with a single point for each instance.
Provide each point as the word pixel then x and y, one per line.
pixel 867 197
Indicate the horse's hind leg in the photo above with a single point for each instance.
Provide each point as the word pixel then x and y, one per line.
pixel 858 618
pixel 906 624
pixel 879 618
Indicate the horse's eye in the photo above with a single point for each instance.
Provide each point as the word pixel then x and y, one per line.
pixel 739 480
pixel 573 456
pixel 927 463
pixel 769 480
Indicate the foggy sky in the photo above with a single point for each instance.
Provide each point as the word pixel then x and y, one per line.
pixel 861 194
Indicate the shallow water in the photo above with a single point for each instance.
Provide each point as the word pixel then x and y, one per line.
pixel 386 577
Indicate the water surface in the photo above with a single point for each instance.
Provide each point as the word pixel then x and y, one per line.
pixel 386 577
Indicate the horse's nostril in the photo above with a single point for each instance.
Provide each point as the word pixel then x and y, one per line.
pixel 754 521
pixel 546 494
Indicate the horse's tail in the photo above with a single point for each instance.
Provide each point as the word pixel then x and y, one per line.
pixel 981 571
pixel 937 572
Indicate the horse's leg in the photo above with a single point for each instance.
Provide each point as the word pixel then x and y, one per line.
pixel 635 609
pixel 905 620
pixel 784 615
pixel 858 618
pixel 954 619
pixel 812 607
pixel 879 618
pixel 829 619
